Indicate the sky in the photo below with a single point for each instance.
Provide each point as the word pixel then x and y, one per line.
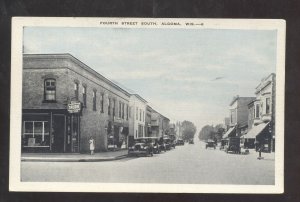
pixel 185 74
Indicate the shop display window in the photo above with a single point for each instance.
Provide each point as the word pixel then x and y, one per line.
pixel 36 134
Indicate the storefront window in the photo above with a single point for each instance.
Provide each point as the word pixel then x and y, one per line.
pixel 36 134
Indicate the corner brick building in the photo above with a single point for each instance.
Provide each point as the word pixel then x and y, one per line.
pixel 65 102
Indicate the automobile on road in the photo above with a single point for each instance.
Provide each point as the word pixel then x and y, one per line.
pixel 180 142
pixel 167 142
pixel 141 146
pixel 233 145
pixel 210 144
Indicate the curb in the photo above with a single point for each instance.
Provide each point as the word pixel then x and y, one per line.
pixel 38 159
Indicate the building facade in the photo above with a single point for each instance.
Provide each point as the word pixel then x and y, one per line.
pixel 238 115
pixel 262 113
pixel 138 119
pixel 65 102
pixel 148 132
pixel 159 124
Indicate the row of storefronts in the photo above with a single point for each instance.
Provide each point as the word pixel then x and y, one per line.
pixel 253 118
pixel 65 102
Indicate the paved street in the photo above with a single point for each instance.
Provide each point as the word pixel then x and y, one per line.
pixel 188 164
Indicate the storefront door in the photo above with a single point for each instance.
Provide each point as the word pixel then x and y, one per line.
pixel 58 131
pixel 72 138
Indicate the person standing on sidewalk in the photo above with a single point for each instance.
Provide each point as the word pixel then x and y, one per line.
pixel 92 145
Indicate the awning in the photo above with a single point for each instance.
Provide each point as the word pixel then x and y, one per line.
pixel 228 132
pixel 256 130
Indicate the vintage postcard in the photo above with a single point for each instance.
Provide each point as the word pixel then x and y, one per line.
pixel 147 105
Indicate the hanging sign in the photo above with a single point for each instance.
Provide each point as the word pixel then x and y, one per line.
pixel 74 107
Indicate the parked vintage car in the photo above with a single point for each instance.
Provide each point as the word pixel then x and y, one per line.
pixel 167 142
pixel 172 141
pixel 180 142
pixel 141 146
pixel 161 145
pixel 233 145
pixel 210 144
pixel 191 141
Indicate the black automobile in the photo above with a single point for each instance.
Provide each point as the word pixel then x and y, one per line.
pixel 233 145
pixel 172 141
pixel 191 141
pixel 141 147
pixel 167 142
pixel 210 144
pixel 180 142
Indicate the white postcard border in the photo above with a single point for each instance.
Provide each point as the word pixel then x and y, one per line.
pixel 18 23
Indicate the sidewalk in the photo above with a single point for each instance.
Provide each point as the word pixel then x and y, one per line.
pixel 75 157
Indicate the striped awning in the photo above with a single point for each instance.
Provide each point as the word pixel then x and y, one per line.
pixel 256 130
pixel 230 131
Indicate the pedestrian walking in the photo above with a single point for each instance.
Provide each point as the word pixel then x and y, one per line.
pixel 92 145
pixel 260 149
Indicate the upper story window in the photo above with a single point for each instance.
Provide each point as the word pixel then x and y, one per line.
pixel 84 96
pixel 102 103
pixel 50 90
pixel 137 113
pixel 268 105
pixel 123 110
pixel 76 90
pixel 114 107
pixel 120 109
pixel 140 114
pixel 108 108
pixel 143 115
pixel 127 111
pixel 94 100
pixel 257 111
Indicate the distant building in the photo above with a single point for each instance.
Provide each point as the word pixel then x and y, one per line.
pixel 159 124
pixel 172 129
pixel 238 115
pixel 148 132
pixel 138 118
pixel 227 123
pixel 64 102
pixel 262 113
pixel 178 130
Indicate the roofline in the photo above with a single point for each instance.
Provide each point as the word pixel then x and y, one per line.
pixel 159 114
pixel 81 64
pixel 139 97
pixel 236 98
pixel 272 74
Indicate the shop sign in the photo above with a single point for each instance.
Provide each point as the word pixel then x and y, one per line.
pixel 74 107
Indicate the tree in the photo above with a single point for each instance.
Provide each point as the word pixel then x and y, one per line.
pixel 211 132
pixel 188 130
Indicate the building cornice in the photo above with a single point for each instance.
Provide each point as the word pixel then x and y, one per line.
pixel 80 64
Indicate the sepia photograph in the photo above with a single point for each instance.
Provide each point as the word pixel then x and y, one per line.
pixel 147 105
